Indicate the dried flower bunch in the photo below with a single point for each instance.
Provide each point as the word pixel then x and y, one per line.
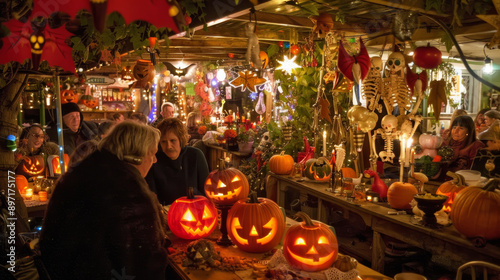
pixel 230 134
pixel 202 130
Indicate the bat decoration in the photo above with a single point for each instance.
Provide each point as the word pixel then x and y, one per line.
pixel 355 68
pixel 416 82
pixel 160 13
pixel 37 41
pixel 179 72
pixel 325 109
pixel 247 79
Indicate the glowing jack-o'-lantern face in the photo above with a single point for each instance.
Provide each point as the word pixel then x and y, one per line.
pixel 318 169
pixel 226 186
pixel 56 165
pixel 68 96
pixel 143 72
pixel 310 246
pixel 192 217
pixel 31 166
pixel 256 226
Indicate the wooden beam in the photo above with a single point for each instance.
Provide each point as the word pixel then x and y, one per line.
pixel 409 5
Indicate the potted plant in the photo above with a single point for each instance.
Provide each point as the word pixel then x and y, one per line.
pixel 231 142
pixel 245 141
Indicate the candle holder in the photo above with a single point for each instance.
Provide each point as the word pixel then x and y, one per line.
pixel 372 196
pixel 224 239
pixel 430 204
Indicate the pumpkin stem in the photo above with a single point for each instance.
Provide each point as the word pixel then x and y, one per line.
pixel 307 220
pixel 282 153
pixel 190 193
pixel 222 164
pixel 492 184
pixel 253 197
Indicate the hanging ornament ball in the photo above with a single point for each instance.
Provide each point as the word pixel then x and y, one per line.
pixel 295 49
pixel 173 11
pixel 187 19
pixel 230 55
pixel 427 57
pixel 286 45
pixel 280 44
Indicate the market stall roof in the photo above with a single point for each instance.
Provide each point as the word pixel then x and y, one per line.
pixel 379 22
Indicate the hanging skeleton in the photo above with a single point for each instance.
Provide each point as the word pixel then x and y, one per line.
pixel 253 50
pixel 395 89
pixel 372 85
pixel 388 132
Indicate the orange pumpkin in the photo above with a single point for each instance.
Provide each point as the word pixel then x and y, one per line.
pixel 399 195
pixel 310 246
pixel 56 165
pixel 255 225
pixel 21 184
pixel 476 211
pixel 68 96
pixel 281 164
pixel 31 166
pixel 192 216
pixel 348 172
pixel 451 188
pixel 143 72
pixel 226 186
pixel 89 101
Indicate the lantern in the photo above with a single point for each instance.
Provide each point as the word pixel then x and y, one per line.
pixel 399 195
pixel 56 165
pixel 450 189
pixel 255 225
pixel 476 212
pixel 31 166
pixel 310 246
pixel 318 169
pixel 226 186
pixel 143 72
pixel 68 96
pixel 281 164
pixel 192 216
pixel 21 184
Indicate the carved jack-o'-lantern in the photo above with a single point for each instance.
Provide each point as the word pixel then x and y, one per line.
pixel 37 41
pixel 56 165
pixel 31 166
pixel 322 24
pixel 21 184
pixel 310 246
pixel 226 186
pixel 264 58
pixel 68 96
pixel 89 101
pixel 143 72
pixel 255 226
pixel 318 169
pixel 192 216
pixel 451 189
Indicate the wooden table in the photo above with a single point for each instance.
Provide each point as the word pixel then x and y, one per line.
pixel 217 152
pixel 231 251
pixel 36 208
pixel 445 241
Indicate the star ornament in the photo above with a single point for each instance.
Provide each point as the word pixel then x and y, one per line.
pixel 494 20
pixel 287 65
pixel 247 79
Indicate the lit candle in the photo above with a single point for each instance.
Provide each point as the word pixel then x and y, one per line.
pixel 375 199
pixel 412 155
pixel 402 157
pixel 29 194
pixel 407 152
pixel 42 195
pixel 369 197
pixel 324 143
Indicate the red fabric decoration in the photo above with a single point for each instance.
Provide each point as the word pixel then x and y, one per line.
pixel 346 62
pixel 412 78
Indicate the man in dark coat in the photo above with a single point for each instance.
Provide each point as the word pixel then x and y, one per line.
pixel 75 129
pixel 102 221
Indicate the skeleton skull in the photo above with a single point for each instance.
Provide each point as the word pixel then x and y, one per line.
pixel 376 66
pixel 265 142
pixel 395 64
pixel 389 123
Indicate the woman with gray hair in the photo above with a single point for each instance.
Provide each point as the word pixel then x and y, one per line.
pixel 102 219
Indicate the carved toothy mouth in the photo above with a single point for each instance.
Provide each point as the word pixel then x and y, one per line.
pixel 199 231
pixel 225 196
pixel 312 261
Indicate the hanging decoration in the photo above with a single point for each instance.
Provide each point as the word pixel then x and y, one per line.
pixel 427 57
pixel 404 25
pixel 264 58
pixel 68 96
pixel 252 55
pixel 260 107
pixel 437 97
pixel 396 91
pixel 356 67
pixel 417 84
pixel 247 79
pixel 287 65
pixel 143 72
pixel 323 23
pixel 37 41
pixel 372 85
pixel 178 71
pixel 494 20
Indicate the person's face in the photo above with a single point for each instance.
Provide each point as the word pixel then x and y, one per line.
pixel 72 120
pixel 480 119
pixel 459 133
pixel 488 121
pixel 35 138
pixel 147 161
pixel 120 119
pixel 170 145
pixel 168 112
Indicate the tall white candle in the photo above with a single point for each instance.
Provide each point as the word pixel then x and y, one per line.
pixel 407 152
pixel 402 157
pixel 324 143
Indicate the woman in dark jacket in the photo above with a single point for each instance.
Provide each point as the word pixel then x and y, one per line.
pixel 102 221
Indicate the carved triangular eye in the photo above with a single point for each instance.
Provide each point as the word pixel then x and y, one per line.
pixel 208 182
pixel 323 240
pixel 236 179
pixel 300 241
pixel 188 216
pixel 254 232
pixel 206 213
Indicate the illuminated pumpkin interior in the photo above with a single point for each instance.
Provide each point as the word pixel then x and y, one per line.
pixel 312 257
pixel 56 166
pixel 196 227
pixel 272 225
pixel 34 165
